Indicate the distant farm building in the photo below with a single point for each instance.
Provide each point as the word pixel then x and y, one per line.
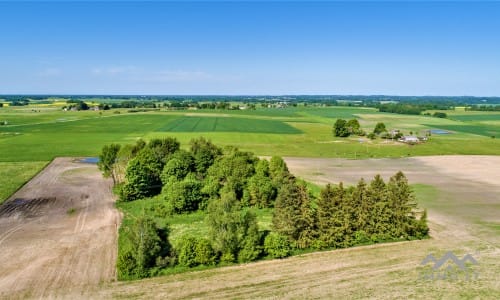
pixel 411 139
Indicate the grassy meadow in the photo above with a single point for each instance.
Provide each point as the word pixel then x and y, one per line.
pixel 38 133
pixel 14 174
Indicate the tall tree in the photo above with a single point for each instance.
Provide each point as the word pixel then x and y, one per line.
pixel 353 126
pixel 402 203
pixel 340 128
pixel 180 164
pixel 379 128
pixel 183 195
pixel 278 170
pixel 292 213
pixel 147 242
pixel 260 186
pixel 163 149
pixel 223 219
pixel 334 219
pixel 362 207
pixel 142 176
pixel 204 153
pixel 107 160
pixel 231 171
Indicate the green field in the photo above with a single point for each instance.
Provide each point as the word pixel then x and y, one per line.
pixel 14 174
pixel 42 132
pixel 228 124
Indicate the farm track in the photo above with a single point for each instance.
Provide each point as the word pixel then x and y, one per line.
pixel 58 232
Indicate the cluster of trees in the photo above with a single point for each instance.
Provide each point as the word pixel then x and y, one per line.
pixel 132 104
pixel 438 114
pixel 343 217
pixel 222 182
pixel 226 184
pixel 343 128
pixel 21 102
pixel 187 180
pixel 414 107
pixel 223 105
pixel 76 104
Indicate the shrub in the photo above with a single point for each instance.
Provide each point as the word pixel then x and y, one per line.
pixel 439 115
pixel 277 246
pixel 205 254
pixel 361 238
pixel 227 258
pixel 183 196
pixel 187 251
pixel 126 265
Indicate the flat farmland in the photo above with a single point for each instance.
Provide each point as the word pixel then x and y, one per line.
pixel 229 124
pixel 301 131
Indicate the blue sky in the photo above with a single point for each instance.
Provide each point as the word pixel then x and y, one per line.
pixel 394 48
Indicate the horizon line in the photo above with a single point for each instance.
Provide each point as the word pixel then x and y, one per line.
pixel 240 95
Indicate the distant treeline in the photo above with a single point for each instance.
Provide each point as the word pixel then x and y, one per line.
pixel 331 99
pixel 412 105
pixel 484 107
pixel 413 108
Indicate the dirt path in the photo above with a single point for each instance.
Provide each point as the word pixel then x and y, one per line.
pixel 58 232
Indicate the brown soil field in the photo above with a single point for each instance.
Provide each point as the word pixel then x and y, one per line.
pixel 463 216
pixel 59 231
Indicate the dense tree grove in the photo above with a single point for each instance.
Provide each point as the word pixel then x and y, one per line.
pixel 402 108
pixel 438 114
pixel 228 186
pixel 343 128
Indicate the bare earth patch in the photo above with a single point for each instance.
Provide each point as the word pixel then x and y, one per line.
pixel 58 232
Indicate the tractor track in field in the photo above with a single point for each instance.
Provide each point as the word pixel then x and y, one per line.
pixel 59 231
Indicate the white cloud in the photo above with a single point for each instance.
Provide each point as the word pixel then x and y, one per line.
pixel 174 76
pixel 114 70
pixel 50 72
pixel 156 76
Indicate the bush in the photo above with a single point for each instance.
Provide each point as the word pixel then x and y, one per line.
pixel 361 238
pixel 162 210
pixel 277 246
pixel 439 115
pixel 126 265
pixel 227 258
pixel 205 254
pixel 183 196
pixel 379 128
pixel 187 251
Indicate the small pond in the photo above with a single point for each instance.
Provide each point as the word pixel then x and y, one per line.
pixel 89 160
pixel 439 131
